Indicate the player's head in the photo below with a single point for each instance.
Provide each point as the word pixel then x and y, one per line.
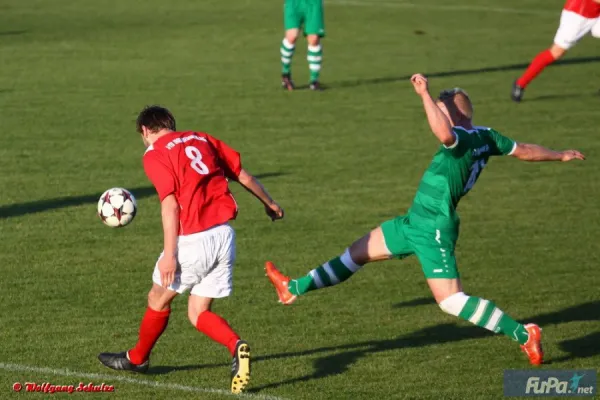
pixel 456 104
pixel 152 120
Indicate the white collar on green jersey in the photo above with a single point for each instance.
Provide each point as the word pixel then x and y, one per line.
pixel 475 128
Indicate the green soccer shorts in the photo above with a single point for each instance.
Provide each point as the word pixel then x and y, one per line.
pixel 435 250
pixel 304 13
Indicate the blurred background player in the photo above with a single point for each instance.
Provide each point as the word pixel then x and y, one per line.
pixel 306 14
pixel 189 171
pixel 430 229
pixel 578 18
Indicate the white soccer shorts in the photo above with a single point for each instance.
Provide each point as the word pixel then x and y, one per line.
pixel 205 263
pixel 573 27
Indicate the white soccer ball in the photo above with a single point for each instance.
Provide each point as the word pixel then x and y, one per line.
pixel 117 207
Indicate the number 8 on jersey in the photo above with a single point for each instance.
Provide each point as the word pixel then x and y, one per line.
pixel 196 157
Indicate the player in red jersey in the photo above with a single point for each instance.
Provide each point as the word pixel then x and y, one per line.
pixel 578 18
pixel 190 171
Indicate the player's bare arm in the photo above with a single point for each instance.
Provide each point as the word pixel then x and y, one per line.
pixel 534 152
pixel 170 220
pixel 438 122
pixel 253 185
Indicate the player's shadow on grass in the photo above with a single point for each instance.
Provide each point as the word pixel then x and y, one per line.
pixel 12 33
pixel 509 67
pixel 583 347
pixel 420 301
pixel 346 355
pixel 15 210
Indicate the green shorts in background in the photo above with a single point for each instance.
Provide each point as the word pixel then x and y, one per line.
pixel 435 250
pixel 304 13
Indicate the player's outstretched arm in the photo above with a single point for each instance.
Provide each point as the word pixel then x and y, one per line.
pixel 438 122
pixel 534 152
pixel 250 183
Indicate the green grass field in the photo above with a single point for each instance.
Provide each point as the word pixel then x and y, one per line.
pixel 76 72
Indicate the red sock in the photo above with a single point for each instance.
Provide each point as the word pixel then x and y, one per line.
pixel 538 64
pixel 153 325
pixel 217 329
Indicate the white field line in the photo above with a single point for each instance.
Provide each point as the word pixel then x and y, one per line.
pixel 440 7
pixel 141 382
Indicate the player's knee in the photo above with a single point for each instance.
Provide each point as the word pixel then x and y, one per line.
pixel 313 40
pixel 358 251
pixel 195 308
pixel 153 297
pixel 454 303
pixel 291 37
pixel 194 313
pixel 557 51
pixel 157 299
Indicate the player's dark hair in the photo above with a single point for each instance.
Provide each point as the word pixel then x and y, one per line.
pixel 155 118
pixel 450 93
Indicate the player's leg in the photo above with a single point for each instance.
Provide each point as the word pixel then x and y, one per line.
pixel 216 260
pixel 292 22
pixel 154 322
pixel 155 319
pixel 314 56
pixel 379 244
pixel 571 29
pixel 315 31
pixel 218 329
pixel 210 323
pixel 439 266
pixel 485 314
pixel 153 325
pixel 288 45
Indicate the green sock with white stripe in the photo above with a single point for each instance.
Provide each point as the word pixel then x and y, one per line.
pixel 287 52
pixel 331 273
pixel 315 58
pixel 485 314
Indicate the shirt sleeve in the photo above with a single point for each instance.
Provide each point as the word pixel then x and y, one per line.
pixel 160 174
pixel 457 148
pixel 229 158
pixel 501 145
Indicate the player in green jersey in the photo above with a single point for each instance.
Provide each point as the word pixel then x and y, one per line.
pixel 306 14
pixel 430 228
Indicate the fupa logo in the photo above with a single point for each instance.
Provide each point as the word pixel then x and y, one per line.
pixel 554 386
pixel 550 383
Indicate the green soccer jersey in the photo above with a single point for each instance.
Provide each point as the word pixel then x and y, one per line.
pixel 451 174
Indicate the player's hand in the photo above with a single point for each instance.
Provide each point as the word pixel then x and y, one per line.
pixel 167 265
pixel 569 155
pixel 420 84
pixel 274 211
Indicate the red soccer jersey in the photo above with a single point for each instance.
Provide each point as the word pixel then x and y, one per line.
pixel 585 8
pixel 194 167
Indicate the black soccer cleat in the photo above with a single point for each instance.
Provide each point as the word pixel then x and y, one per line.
pixel 120 362
pixel 287 83
pixel 240 367
pixel 517 92
pixel 316 86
